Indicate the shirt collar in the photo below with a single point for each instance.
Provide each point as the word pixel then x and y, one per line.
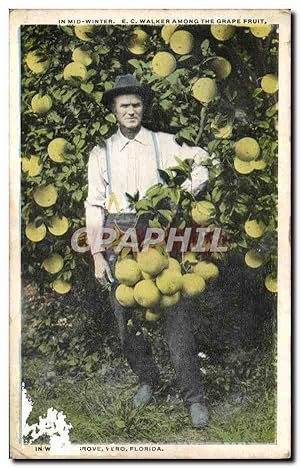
pixel 142 137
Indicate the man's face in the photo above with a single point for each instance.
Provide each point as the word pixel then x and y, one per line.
pixel 128 110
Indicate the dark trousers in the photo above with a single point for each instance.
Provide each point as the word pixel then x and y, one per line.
pixel 178 329
pixel 179 335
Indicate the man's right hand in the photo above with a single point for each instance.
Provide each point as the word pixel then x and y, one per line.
pixel 102 269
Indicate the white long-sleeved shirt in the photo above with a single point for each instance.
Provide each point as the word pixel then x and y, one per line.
pixel 125 165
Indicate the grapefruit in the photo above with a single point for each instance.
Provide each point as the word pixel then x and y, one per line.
pixel 174 264
pixel 75 70
pixel 41 104
pixel 254 228
pixel 204 90
pixel 193 285
pixel 127 271
pixel 271 283
pixel 35 234
pixel 53 264
pixel 31 165
pixel 269 83
pixel 221 67
pixel 124 295
pixel 222 132
pixel 57 149
pixel 45 195
pixel 261 31
pixel 167 31
pixel 163 64
pixel 152 261
pixel 151 315
pixel 247 149
pixel 37 62
pixel 189 257
pixel 182 42
pixel 207 270
pixel 82 56
pixel 58 226
pixel 203 212
pixel 84 32
pixel 169 301
pixel 243 167
pixel 253 259
pixel 138 42
pixel 258 165
pixel 61 286
pixel 222 33
pixel 169 281
pixel 146 293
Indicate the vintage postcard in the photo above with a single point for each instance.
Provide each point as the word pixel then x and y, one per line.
pixel 150 212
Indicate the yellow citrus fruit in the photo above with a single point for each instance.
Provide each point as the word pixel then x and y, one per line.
pixel 247 149
pixel 53 264
pixel 269 83
pixel 182 42
pixel 271 283
pixel 124 295
pixel 169 281
pixel 127 271
pixel 174 264
pixel 138 42
pixel 37 62
pixel 84 32
pixel 222 132
pixel 192 284
pixel 169 301
pixel 253 259
pixel 82 56
pixel 146 275
pixel 163 63
pixel 189 257
pixel 41 104
pixel 35 234
pixel 167 31
pixel 254 228
pixel 204 90
pixel 61 286
pixel 243 167
pixel 261 31
pixel 57 149
pixel 146 293
pixel 258 165
pixel 151 315
pixel 222 33
pixel 31 165
pixel 203 212
pixel 221 67
pixel 45 196
pixel 58 226
pixel 75 70
pixel 207 270
pixel 152 261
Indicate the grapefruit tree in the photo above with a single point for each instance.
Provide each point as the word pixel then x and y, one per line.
pixel 213 86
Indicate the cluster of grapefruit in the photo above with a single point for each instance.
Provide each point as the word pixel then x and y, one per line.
pixel 155 281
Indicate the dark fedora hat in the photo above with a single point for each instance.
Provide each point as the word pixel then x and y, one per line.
pixel 126 84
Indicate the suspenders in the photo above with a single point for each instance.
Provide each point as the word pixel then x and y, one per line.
pixel 112 196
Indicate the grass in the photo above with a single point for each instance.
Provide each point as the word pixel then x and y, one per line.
pixel 100 411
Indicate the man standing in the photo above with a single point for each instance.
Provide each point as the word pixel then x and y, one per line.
pixel 129 162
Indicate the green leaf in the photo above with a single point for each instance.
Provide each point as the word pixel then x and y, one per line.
pixel 164 176
pixel 166 214
pixel 87 87
pixel 111 118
